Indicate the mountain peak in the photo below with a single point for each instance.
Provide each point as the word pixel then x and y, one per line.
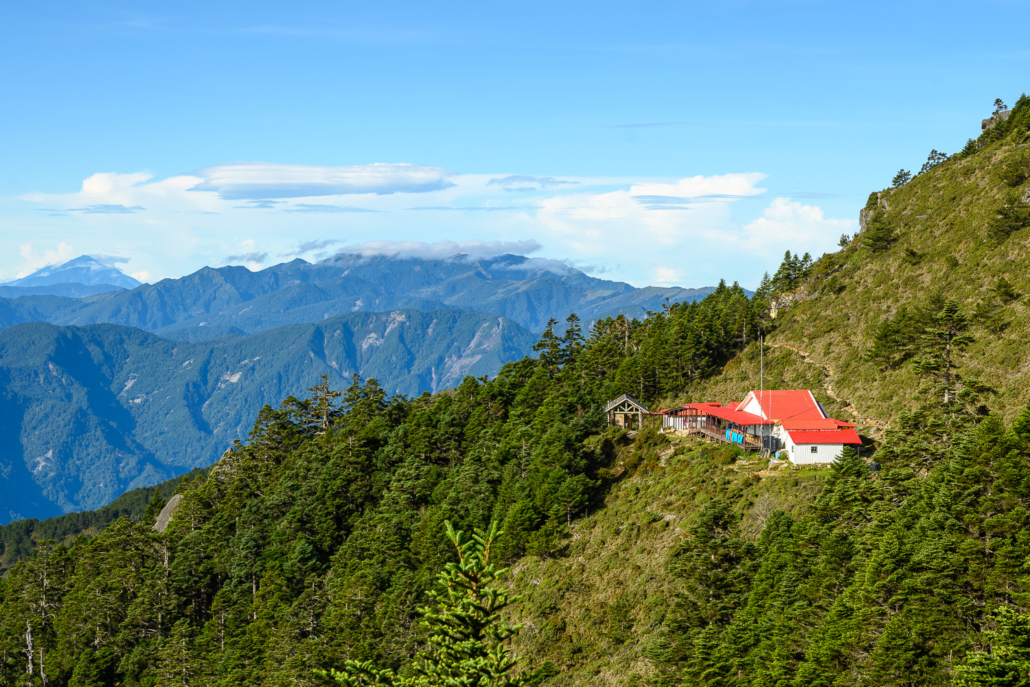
pixel 85 269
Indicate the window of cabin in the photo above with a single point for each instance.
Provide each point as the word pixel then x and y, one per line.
pixel 815 449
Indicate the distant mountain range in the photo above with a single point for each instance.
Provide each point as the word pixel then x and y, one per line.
pixel 83 276
pixel 526 290
pixel 100 392
pixel 87 412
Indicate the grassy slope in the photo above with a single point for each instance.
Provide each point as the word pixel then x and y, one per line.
pixel 942 215
pixel 594 611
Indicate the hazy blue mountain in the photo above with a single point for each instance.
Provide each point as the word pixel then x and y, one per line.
pixel 87 412
pixel 69 290
pixel 90 410
pixel 526 290
pixel 84 269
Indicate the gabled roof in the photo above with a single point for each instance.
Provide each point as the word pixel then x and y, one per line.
pixel 795 425
pixel 838 436
pixel 841 423
pixel 794 404
pixel 737 416
pixel 625 398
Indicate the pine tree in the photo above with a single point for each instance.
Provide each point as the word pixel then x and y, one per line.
pixel 178 666
pixel 572 340
pixel 933 159
pixel 154 507
pixel 901 178
pixel 764 289
pixel 896 339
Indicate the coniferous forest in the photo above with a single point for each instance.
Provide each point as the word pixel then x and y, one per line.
pixel 316 541
pixel 350 539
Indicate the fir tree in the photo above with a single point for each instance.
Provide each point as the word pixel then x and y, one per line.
pixel 1007 663
pixel 942 342
pixel 466 634
pixel 550 348
pixel 323 403
pixel 879 235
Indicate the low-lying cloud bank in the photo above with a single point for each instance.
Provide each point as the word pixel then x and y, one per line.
pixel 440 250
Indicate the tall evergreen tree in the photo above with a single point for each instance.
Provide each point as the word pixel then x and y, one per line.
pixel 466 633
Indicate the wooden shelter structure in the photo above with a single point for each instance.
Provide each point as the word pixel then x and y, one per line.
pixel 626 412
pixel 724 424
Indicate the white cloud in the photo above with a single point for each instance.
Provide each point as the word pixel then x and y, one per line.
pixel 721 187
pixel 666 275
pixel 440 250
pixel 689 231
pixel 34 261
pixel 142 276
pixel 788 223
pixel 262 180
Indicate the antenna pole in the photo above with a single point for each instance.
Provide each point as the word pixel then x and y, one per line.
pixel 761 377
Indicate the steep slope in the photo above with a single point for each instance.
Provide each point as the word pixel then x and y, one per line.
pixel 91 411
pixel 951 239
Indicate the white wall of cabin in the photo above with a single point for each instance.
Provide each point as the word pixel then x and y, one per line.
pixel 801 454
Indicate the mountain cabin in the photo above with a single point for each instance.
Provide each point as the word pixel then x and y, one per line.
pixel 791 421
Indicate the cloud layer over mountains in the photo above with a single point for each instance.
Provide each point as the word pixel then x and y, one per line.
pixel 644 231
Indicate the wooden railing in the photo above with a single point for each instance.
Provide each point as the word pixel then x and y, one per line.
pixel 749 441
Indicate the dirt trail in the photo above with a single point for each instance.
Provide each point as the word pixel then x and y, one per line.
pixel 860 419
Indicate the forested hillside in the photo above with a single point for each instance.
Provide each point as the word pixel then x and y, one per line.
pixel 87 412
pixel 641 559
pixel 333 521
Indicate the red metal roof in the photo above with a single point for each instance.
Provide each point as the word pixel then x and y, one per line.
pixel 732 406
pixel 841 423
pixel 795 404
pixel 794 425
pixel 838 436
pixel 737 416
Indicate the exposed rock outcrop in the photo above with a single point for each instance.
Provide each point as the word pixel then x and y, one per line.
pixel 991 121
pixel 165 516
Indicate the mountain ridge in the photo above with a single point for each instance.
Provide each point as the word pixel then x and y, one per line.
pixel 90 411
pixel 515 287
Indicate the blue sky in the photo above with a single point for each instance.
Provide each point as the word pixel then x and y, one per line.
pixel 661 143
